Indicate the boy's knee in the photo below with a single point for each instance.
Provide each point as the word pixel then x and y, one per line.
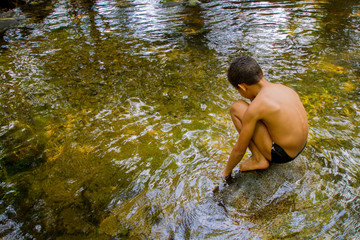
pixel 239 108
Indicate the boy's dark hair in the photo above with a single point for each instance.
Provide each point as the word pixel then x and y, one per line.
pixel 244 70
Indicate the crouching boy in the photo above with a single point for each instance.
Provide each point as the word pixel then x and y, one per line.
pixel 273 126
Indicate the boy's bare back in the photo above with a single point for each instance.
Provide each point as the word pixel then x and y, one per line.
pixel 280 109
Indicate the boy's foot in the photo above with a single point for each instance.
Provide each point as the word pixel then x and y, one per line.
pixel 254 164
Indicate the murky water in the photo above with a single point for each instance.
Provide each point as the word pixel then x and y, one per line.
pixel 114 119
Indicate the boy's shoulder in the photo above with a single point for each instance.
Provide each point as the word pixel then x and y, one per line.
pixel 263 105
pixel 275 91
pixel 270 99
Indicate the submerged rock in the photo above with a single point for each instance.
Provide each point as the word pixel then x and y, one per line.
pixel 21 147
pixel 254 193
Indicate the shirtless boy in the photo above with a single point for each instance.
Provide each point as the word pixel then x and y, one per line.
pixel 273 126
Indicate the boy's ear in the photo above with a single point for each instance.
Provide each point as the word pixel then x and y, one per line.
pixel 242 86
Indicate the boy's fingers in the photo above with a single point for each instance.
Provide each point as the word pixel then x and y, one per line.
pixel 224 178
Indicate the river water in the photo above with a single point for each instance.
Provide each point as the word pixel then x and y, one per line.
pixel 114 117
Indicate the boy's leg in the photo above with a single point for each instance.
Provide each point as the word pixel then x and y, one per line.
pixel 261 143
pixel 256 162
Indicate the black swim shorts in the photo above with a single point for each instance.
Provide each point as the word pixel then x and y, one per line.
pixel 278 154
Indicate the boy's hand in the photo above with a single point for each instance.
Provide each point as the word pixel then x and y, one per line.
pixel 225 175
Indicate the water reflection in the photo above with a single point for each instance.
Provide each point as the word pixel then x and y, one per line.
pixel 124 107
pixel 337 23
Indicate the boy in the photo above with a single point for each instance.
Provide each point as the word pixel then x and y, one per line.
pixel 273 126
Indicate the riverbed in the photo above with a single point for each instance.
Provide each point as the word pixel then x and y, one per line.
pixel 114 119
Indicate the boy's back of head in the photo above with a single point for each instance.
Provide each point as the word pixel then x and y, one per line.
pixel 244 70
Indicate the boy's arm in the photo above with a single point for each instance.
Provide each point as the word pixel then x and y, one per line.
pixel 247 131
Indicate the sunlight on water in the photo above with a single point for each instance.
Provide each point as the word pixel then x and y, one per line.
pixel 114 120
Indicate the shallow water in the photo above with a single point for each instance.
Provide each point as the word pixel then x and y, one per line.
pixel 114 118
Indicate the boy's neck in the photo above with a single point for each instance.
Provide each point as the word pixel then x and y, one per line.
pixel 256 88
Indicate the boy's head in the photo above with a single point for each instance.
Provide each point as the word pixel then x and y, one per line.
pixel 244 70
